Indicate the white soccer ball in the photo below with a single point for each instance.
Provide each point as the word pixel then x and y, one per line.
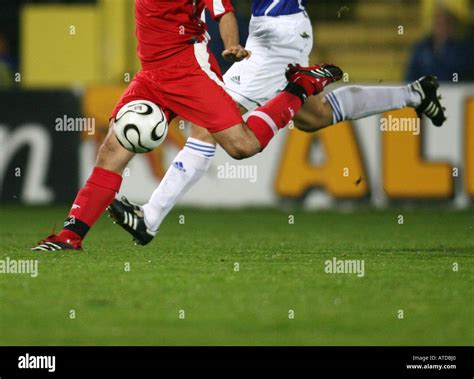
pixel 140 126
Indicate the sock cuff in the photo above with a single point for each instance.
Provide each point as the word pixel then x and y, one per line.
pixel 200 148
pixel 261 128
pixel 105 178
pixel 338 113
pixel 298 91
pixel 74 225
pixel 190 158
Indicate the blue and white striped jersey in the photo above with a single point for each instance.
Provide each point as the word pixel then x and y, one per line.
pixel 276 8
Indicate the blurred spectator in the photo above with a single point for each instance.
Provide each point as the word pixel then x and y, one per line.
pixel 7 63
pixel 442 53
pixel 470 40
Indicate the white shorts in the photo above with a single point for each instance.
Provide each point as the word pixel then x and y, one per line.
pixel 274 42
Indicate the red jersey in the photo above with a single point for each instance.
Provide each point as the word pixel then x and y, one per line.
pixel 164 28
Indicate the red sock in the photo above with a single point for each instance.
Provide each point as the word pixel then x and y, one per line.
pixel 90 204
pixel 267 120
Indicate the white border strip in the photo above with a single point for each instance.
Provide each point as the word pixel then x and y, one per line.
pixel 267 119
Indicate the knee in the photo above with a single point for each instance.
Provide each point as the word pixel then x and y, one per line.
pixel 238 154
pixel 239 142
pixel 239 151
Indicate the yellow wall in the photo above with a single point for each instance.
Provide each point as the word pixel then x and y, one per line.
pixel 67 45
pixel 117 25
pixel 60 45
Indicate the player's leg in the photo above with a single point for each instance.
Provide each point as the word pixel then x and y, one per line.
pixel 240 141
pixel 200 97
pixel 353 103
pixel 105 180
pixel 111 155
pixel 247 139
pixel 92 200
pixel 99 190
pixel 258 80
pixel 356 102
pixel 315 114
pixel 188 167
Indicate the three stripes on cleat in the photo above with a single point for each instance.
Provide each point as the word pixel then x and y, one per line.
pixel 47 246
pixel 322 72
pixel 131 220
pixel 432 110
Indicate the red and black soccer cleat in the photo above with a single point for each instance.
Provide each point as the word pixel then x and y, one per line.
pixel 54 243
pixel 315 78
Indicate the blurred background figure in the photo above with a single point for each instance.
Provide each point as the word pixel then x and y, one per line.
pixel 9 40
pixel 471 39
pixel 444 52
pixel 7 63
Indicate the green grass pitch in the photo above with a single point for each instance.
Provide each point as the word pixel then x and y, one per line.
pixel 191 267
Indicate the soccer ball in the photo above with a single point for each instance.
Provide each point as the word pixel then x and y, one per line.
pixel 140 126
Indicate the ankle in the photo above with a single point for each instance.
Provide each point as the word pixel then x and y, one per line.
pixel 299 91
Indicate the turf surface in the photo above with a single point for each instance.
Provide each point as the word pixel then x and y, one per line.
pixel 191 267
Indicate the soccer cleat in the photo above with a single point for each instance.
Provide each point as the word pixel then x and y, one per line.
pixel 54 243
pixel 131 217
pixel 430 106
pixel 319 76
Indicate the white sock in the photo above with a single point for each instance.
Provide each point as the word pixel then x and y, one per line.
pixel 188 167
pixel 355 102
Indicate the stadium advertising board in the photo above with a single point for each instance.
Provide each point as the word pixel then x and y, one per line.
pixel 39 138
pixel 390 157
pixel 378 159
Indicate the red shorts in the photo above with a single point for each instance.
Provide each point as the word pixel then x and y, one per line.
pixel 190 87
